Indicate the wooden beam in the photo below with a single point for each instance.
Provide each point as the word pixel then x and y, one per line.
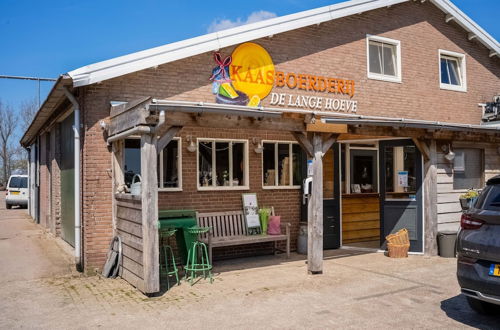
pixel 315 211
pixel 422 146
pixel 118 109
pixel 328 143
pixel 319 126
pixel 117 173
pixel 167 137
pixel 233 121
pixel 430 201
pixel 149 198
pixel 304 143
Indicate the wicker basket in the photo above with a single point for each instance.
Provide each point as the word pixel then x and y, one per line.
pixel 398 250
pixel 398 244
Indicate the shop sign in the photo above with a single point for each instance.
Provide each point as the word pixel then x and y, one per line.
pixel 248 76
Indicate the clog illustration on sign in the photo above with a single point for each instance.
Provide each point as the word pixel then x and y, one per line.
pixel 249 71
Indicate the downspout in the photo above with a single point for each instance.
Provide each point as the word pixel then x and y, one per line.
pixel 76 130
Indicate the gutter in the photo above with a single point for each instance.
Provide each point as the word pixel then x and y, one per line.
pixel 76 130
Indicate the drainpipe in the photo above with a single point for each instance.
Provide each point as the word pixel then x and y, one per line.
pixel 76 130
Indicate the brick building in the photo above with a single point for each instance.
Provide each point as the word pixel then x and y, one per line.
pixel 393 89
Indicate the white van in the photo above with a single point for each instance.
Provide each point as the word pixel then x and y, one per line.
pixel 17 191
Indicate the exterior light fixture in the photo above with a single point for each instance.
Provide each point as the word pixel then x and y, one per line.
pixel 259 148
pixel 191 147
pixel 450 155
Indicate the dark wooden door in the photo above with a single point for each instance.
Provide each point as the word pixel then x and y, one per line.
pixel 331 199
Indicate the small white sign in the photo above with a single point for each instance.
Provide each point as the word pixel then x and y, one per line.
pixel 403 178
pixel 309 167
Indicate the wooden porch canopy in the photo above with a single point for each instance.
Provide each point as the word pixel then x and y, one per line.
pixel 158 121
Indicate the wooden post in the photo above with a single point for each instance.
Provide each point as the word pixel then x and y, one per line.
pixel 315 210
pixel 430 200
pixel 149 187
pixel 118 176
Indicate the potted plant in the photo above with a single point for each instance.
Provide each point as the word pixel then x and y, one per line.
pixel 468 199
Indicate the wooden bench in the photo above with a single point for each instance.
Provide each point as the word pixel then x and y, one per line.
pixel 229 229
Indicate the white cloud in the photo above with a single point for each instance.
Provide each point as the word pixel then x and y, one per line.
pixel 223 24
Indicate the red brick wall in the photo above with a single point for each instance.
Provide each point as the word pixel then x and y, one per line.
pixel 332 49
pixel 44 182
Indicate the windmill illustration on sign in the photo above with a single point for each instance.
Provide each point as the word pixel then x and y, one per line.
pixel 243 78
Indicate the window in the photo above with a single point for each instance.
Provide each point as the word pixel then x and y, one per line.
pixel 452 71
pixel 383 59
pixel 222 164
pixel 169 164
pixel 170 167
pixel 18 182
pixel 132 160
pixel 468 169
pixel 281 165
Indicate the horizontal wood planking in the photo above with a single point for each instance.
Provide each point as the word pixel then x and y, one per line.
pixel 453 226
pixel 129 227
pixel 132 253
pixel 132 266
pixel 130 214
pixel 133 279
pixel 132 240
pixel 360 219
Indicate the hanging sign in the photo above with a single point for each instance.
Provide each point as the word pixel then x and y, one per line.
pixel 248 76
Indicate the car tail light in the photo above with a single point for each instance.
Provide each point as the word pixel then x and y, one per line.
pixel 466 260
pixel 468 222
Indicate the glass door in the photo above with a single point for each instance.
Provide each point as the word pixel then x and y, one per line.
pixel 401 191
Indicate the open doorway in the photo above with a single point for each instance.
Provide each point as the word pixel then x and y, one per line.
pixel 360 194
pixel 380 192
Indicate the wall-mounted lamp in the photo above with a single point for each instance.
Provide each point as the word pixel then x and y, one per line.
pixel 191 146
pixel 258 149
pixel 450 155
pixel 104 125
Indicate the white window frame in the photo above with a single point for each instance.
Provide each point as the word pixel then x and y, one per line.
pixel 245 171
pixel 376 76
pixel 179 167
pixel 290 165
pixel 461 67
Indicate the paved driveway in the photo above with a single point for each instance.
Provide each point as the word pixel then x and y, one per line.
pixel 39 289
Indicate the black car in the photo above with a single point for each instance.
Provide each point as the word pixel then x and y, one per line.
pixel 478 251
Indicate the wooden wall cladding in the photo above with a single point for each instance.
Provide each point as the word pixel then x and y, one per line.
pixel 360 218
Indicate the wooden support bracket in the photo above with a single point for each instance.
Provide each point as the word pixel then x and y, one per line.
pixel 167 137
pixel 329 141
pixel 304 143
pixel 424 149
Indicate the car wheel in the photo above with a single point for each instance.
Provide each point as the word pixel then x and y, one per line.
pixel 482 307
pixel 8 206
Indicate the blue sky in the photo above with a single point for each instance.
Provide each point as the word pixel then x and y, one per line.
pixel 47 38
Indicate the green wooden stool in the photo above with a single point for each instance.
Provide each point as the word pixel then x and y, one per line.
pixel 164 234
pixel 197 260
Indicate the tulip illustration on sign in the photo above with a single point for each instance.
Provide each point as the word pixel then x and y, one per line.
pixel 222 85
pixel 244 78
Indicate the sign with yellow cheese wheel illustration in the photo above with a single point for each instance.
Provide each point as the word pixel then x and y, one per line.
pixel 252 70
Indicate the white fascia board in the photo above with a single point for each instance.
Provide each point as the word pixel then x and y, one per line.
pixel 468 24
pixel 175 51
